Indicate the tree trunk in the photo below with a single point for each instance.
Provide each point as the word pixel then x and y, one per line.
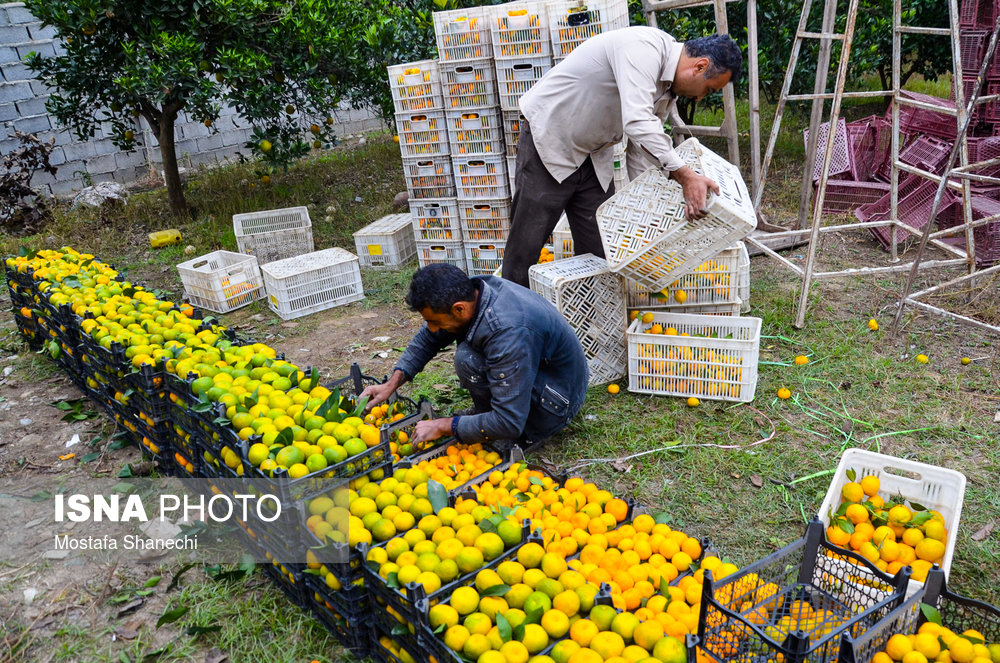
pixel 169 155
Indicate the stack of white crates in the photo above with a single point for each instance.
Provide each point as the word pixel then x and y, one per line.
pixel 488 57
pixel 274 234
pixel 387 243
pixel 312 282
pixel 425 149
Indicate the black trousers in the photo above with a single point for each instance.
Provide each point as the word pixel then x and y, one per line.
pixel 539 201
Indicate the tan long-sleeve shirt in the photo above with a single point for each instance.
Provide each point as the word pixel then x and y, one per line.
pixel 614 83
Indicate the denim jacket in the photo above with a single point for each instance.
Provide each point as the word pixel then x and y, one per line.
pixel 534 363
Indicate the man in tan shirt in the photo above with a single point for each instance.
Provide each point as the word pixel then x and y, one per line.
pixel 618 83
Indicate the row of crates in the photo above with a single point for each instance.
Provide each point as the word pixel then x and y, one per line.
pixel 472 177
pixel 527 28
pixel 223 281
pixel 430 85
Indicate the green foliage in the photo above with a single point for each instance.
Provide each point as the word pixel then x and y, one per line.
pixel 273 61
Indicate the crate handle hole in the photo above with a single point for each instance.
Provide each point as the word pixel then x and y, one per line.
pixel 914 476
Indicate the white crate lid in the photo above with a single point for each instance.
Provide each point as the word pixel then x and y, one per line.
pixel 387 225
pixel 308 262
pixel 288 218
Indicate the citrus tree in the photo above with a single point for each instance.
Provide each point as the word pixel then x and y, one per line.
pixel 273 61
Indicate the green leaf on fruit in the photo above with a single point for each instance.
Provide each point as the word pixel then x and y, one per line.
pixel 437 495
pixel 392 581
pixel 931 613
pixel 495 590
pixel 503 627
pixel 851 474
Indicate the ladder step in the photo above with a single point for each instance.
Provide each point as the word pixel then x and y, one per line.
pixel 846 95
pixel 820 35
pixel 903 101
pixel 914 30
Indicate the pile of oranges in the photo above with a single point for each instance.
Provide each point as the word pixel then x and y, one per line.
pixel 890 534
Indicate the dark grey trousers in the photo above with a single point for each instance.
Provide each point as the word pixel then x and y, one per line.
pixel 539 201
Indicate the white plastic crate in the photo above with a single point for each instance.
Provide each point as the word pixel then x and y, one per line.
pixel 274 234
pixel 511 130
pixel 744 287
pixel 386 243
pixel 520 29
pixel 933 487
pixel 515 77
pixel 416 86
pixel 313 282
pixel 717 360
pixel 469 85
pixel 440 226
pixel 479 177
pixel 591 299
pixel 221 281
pixel 432 252
pixel 483 258
pixel 462 34
pixel 562 239
pixel 715 281
pixel 731 309
pixel 422 133
pixel 644 230
pixel 484 220
pixel 571 22
pixel 620 165
pixel 435 213
pixel 429 177
pixel 475 132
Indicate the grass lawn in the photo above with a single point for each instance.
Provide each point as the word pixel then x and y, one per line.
pixel 747 476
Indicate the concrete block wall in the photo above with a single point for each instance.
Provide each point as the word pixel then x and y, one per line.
pixel 22 107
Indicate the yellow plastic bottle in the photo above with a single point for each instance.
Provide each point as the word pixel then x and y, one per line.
pixel 162 238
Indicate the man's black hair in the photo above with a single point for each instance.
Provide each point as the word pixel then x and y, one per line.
pixel 722 51
pixel 438 287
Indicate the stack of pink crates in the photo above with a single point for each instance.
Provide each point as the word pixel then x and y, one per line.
pixel 862 160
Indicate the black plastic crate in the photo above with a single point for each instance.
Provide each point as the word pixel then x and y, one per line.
pixel 405 600
pixel 796 582
pixel 353 636
pixel 289 579
pixel 348 605
pixel 506 457
pixel 380 652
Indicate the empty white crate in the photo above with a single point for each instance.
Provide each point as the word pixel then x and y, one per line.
pixel 422 133
pixel 715 281
pixel 481 177
pixel 520 29
pixel 462 34
pixel 515 77
pixel 431 252
pixel 716 360
pixel 429 177
pixel 221 281
pixel 387 243
pixel 644 230
pixel 469 85
pixel 476 131
pixel 313 282
pixel 416 86
pixel 562 239
pixel 484 220
pixel 591 299
pixel 483 258
pixel 571 22
pixel 274 234
pixel 930 486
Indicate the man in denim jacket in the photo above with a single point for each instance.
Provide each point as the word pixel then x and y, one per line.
pixel 516 355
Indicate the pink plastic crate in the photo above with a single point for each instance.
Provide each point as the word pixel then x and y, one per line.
pixel 847 195
pixel 927 153
pixel 921 121
pixel 916 196
pixel 841 163
pixel 987 238
pixel 862 141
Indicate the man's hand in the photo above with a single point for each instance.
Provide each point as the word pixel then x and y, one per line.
pixel 695 188
pixel 377 393
pixel 431 429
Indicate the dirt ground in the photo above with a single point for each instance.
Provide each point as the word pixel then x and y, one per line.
pixel 42 593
